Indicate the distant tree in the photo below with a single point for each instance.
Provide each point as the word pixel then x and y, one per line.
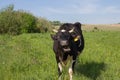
pixel 56 23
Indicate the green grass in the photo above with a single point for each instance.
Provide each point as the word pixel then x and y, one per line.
pixel 30 57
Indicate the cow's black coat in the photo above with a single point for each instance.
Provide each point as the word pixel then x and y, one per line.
pixel 68 41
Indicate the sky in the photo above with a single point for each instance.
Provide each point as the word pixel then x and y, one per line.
pixel 84 11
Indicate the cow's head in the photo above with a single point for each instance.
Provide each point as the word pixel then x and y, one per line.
pixel 75 31
pixel 63 39
pixel 68 32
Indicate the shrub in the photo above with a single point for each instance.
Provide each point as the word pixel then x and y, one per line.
pixel 27 22
pixel 8 22
pixel 95 28
pixel 17 22
pixel 43 25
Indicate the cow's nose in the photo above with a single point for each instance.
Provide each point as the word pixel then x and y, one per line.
pixel 63 43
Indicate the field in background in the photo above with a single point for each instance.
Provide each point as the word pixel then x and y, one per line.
pixel 30 57
pixel 101 27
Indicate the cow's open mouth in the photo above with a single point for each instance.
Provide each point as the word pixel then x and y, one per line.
pixel 66 48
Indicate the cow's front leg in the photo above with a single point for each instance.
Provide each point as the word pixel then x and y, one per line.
pixel 59 70
pixel 59 67
pixel 71 68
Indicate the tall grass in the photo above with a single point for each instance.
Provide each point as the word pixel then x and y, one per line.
pixel 30 57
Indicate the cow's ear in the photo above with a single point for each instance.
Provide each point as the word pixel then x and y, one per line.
pixel 53 37
pixel 78 25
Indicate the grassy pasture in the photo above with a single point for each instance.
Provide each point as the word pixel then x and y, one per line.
pixel 30 57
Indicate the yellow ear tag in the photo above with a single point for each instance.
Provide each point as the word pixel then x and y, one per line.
pixel 76 39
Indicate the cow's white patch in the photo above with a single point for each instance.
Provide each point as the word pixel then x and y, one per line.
pixel 60 66
pixel 70 31
pixel 54 30
pixel 63 30
pixel 70 69
pixel 70 73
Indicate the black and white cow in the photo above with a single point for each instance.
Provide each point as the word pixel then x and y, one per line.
pixel 68 43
